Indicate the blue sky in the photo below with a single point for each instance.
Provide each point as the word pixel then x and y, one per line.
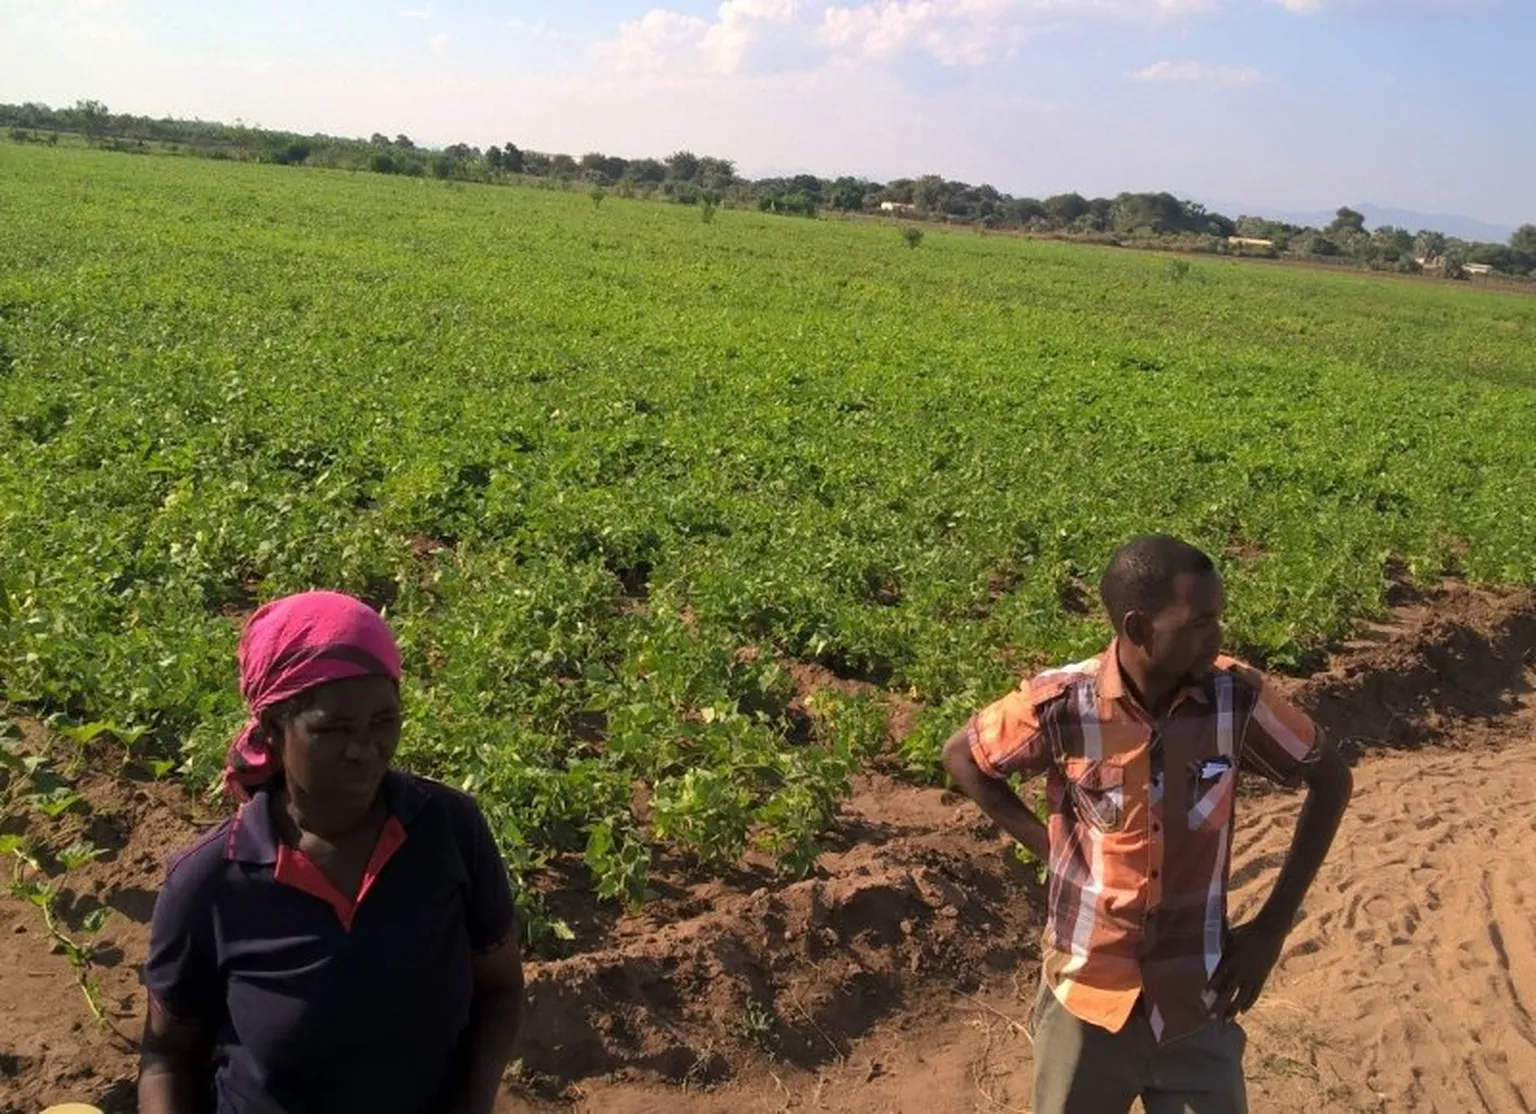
pixel 1286 104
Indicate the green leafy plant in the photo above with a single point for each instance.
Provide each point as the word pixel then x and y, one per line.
pixel 619 862
pixel 756 1025
pixel 678 526
pixel 29 884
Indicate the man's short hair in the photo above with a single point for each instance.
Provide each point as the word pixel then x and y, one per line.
pixel 1141 574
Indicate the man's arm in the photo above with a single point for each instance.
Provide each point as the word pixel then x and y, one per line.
pixel 497 1015
pixel 175 1065
pixel 994 796
pixel 1253 949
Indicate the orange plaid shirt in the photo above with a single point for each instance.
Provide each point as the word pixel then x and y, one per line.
pixel 1141 826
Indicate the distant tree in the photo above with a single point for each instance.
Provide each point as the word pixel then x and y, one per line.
pixel 1313 242
pixel 563 166
pixel 1524 239
pixel 716 174
pixel 1392 244
pixel 1065 208
pixel 403 142
pixel 382 162
pixel 1098 215
pixel 648 171
pixel 493 157
pixel 603 168
pixel 1157 213
pixel 91 118
pixel 685 193
pixel 290 154
pixel 683 166
pixel 789 204
pixel 1500 257
pixel 443 166
pixel 512 159
pixel 957 199
pixel 928 193
pixel 808 184
pixel 461 152
pixel 1429 244
pixel 1022 211
pixel 1347 220
pixel 379 139
pixel 848 194
pixel 1215 224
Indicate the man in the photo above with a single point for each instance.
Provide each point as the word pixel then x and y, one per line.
pixel 1142 747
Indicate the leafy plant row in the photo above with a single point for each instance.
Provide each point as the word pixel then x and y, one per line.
pixel 615 474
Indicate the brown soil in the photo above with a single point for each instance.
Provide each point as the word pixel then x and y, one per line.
pixel 897 978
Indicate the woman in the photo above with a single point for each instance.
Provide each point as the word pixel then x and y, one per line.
pixel 346 941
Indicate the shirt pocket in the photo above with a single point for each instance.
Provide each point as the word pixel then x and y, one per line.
pixel 1097 791
pixel 1212 786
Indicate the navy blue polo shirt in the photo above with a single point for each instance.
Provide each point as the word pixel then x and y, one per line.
pixel 321 1002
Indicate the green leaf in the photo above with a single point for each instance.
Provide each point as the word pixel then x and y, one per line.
pixel 56 802
pixel 79 853
pixel 37 893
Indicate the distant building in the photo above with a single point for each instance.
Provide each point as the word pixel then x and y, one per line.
pixel 898 207
pixel 1477 268
pixel 1249 242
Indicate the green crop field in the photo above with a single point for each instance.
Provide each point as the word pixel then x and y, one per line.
pixel 613 469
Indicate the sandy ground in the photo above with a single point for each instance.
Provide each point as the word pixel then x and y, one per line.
pixel 1407 985
pixel 897 979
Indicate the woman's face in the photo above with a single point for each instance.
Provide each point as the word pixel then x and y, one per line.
pixel 338 747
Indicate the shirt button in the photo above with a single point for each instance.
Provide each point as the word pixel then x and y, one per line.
pixel 1156 827
pixel 1154 875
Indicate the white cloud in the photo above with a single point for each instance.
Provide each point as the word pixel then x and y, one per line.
pixel 538 29
pixel 750 36
pixel 103 22
pixel 424 12
pixel 741 25
pixel 1203 73
pixel 973 32
pixel 438 43
pixel 652 42
pixel 1391 7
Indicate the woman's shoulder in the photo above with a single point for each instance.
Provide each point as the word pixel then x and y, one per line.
pixel 414 795
pixel 414 790
pixel 203 859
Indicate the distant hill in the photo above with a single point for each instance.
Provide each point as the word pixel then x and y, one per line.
pixel 1452 224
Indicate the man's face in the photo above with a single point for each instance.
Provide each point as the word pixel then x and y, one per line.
pixel 1185 636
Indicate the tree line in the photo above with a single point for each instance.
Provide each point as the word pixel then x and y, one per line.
pixel 1136 219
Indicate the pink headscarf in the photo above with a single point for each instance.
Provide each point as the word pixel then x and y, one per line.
pixel 291 645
